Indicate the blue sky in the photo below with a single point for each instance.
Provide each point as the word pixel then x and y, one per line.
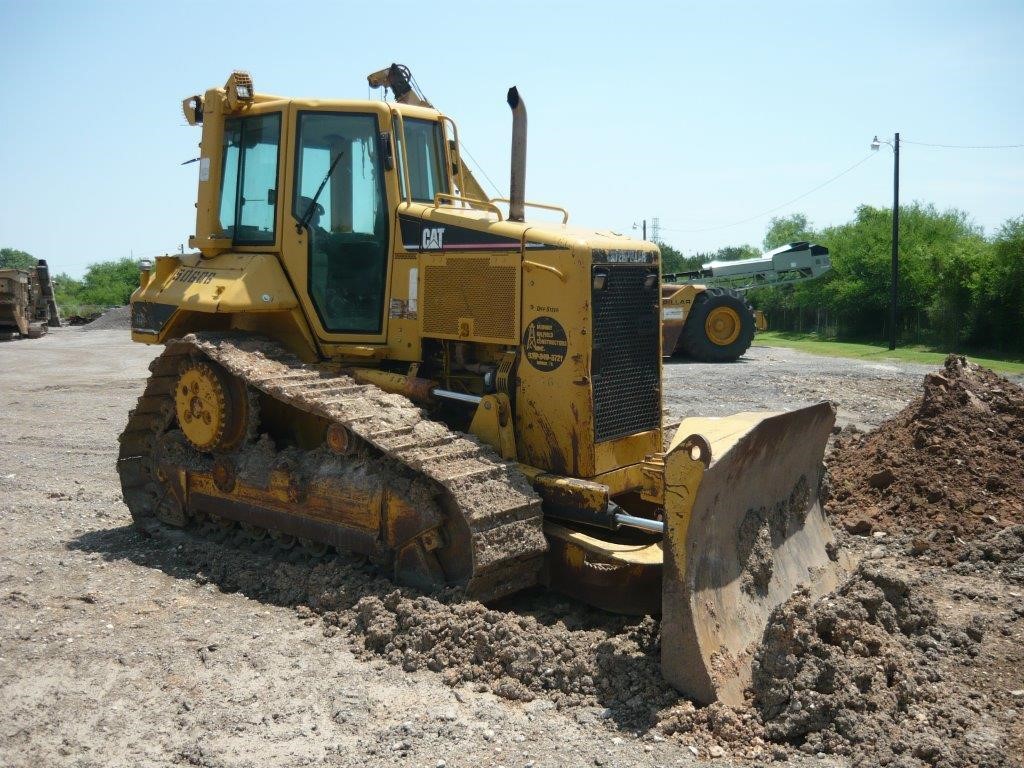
pixel 700 114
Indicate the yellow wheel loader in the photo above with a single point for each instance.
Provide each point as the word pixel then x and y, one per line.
pixel 362 357
pixel 705 315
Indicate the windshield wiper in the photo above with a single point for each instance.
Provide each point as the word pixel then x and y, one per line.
pixel 304 221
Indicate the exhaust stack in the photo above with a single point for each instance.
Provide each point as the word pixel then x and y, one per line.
pixel 517 185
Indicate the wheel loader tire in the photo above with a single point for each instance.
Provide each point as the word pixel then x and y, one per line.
pixel 720 326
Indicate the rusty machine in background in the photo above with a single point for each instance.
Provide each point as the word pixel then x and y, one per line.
pixel 366 353
pixel 27 306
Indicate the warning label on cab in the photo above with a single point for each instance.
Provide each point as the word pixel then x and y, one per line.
pixel 544 343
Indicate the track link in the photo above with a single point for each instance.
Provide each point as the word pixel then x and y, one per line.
pixel 474 486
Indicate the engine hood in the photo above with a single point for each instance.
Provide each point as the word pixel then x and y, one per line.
pixel 426 228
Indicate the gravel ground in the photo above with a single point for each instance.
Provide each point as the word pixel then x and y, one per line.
pixel 776 378
pixel 114 650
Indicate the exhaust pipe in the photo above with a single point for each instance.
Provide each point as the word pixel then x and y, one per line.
pixel 517 185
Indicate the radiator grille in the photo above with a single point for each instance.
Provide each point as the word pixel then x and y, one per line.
pixel 461 292
pixel 626 362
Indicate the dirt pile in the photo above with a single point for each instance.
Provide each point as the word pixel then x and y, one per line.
pixel 1004 548
pixel 858 673
pixel 534 646
pixel 868 671
pixel 117 318
pixel 945 474
pixel 575 659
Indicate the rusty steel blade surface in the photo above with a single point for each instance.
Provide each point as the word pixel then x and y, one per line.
pixel 754 532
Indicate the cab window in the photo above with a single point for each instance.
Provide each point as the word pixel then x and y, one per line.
pixel 427 172
pixel 248 195
pixel 339 196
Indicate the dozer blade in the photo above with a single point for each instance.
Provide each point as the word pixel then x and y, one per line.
pixel 744 528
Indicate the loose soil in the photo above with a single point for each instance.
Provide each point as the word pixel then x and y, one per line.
pixel 945 475
pixel 121 646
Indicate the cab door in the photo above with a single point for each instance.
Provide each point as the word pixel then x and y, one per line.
pixel 337 228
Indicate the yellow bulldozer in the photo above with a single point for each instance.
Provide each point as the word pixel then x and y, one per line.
pixel 366 354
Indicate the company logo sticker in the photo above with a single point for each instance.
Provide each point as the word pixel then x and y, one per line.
pixel 433 238
pixel 545 344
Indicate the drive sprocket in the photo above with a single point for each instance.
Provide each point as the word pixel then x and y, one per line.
pixel 211 407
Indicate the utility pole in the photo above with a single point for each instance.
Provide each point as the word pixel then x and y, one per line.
pixel 644 228
pixel 895 277
pixel 894 273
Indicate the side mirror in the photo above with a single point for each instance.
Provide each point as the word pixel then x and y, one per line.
pixel 271 197
pixel 386 152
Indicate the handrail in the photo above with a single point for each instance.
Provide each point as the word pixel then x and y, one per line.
pixel 547 267
pixel 458 155
pixel 545 206
pixel 472 201
pixel 468 184
pixel 404 158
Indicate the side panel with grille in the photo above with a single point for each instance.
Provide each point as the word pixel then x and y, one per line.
pixel 626 361
pixel 471 298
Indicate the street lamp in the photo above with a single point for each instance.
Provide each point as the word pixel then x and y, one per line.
pixel 895 275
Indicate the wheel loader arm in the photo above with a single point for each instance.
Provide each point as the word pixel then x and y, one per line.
pixel 788 264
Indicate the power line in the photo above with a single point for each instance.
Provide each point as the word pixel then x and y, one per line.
pixel 963 146
pixel 464 148
pixel 782 205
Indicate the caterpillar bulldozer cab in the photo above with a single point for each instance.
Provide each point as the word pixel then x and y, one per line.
pixel 366 354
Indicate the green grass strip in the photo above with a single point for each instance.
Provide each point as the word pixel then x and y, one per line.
pixel 912 353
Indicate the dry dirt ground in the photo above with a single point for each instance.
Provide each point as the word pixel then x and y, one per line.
pixel 122 649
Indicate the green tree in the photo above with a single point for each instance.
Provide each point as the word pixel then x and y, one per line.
pixel 943 258
pixel 998 295
pixel 735 253
pixel 11 258
pixel 109 283
pixel 788 229
pixel 66 290
pixel 673 260
pixel 105 284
